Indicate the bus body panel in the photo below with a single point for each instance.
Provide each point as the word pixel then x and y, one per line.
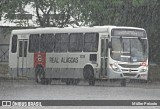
pixel 69 64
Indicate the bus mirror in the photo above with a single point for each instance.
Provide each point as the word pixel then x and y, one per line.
pixel 109 45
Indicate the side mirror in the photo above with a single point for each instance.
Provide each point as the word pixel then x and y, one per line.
pixel 109 45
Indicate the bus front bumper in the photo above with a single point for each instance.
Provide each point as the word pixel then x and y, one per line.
pixel 127 75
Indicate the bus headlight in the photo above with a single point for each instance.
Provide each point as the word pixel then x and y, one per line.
pixel 115 67
pixel 143 70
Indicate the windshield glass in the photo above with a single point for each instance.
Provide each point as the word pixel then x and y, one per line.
pixel 129 49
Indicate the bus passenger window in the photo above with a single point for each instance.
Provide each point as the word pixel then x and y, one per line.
pixel 14 44
pixel 46 42
pixel 61 42
pixel 34 43
pixel 91 42
pixel 76 42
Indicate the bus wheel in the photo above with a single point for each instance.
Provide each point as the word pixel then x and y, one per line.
pixel 123 82
pixel 88 74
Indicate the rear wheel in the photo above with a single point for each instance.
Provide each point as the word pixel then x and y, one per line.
pixel 88 74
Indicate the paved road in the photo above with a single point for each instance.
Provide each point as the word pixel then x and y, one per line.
pixel 29 90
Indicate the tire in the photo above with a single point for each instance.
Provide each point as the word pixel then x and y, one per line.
pixel 88 74
pixel 123 82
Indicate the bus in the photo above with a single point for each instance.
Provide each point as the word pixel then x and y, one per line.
pixel 83 53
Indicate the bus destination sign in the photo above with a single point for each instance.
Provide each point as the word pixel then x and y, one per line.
pixel 128 33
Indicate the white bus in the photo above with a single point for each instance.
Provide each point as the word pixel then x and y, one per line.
pixel 72 54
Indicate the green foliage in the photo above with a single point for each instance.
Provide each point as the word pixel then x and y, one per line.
pixel 61 13
pixel 138 2
pixel 10 8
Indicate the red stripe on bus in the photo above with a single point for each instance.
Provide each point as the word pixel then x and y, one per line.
pixel 40 59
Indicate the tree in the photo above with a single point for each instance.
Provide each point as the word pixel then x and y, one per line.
pixel 10 8
pixel 59 13
pixel 62 13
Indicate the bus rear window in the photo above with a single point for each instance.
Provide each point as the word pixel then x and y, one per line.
pixel 34 43
pixel 90 42
pixel 14 44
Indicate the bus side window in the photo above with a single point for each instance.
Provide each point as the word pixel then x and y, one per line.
pixel 34 43
pixel 47 42
pixel 91 42
pixel 61 42
pixel 14 44
pixel 76 42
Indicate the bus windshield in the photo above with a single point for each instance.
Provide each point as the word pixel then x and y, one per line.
pixel 129 49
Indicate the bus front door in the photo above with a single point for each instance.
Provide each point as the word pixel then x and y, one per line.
pixel 104 57
pixel 22 60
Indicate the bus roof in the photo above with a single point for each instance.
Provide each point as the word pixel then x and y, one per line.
pixel 69 29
